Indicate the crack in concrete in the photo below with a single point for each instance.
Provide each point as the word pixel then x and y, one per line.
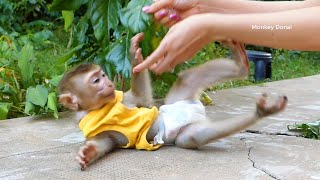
pixel 269 133
pixel 254 163
pixel 256 167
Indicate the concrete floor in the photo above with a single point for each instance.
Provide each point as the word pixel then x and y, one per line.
pixel 45 148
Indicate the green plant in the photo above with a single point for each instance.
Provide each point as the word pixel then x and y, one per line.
pixel 27 84
pixel 24 16
pixel 293 64
pixel 308 130
pixel 26 37
pixel 101 32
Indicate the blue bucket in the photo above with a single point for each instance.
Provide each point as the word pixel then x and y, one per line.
pixel 262 64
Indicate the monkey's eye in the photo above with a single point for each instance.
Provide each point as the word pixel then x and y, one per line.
pixel 103 75
pixel 97 80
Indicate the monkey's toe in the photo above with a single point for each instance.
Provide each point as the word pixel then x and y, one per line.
pixel 282 102
pixel 83 164
pixel 264 108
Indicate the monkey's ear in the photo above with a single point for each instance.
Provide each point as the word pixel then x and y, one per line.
pixel 69 101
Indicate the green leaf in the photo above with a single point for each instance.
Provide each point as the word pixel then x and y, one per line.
pixel 119 56
pixel 25 65
pixel 134 18
pixel 42 36
pixel 53 103
pixel 68 17
pixel 107 67
pixel 55 80
pixel 39 24
pixel 4 110
pixel 69 5
pixel 80 30
pixel 104 16
pixel 29 108
pixel 38 95
pixel 308 130
pixel 152 38
pixel 69 55
pixel 114 8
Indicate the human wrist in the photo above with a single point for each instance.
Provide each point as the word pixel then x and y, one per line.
pixel 204 6
pixel 214 6
pixel 214 26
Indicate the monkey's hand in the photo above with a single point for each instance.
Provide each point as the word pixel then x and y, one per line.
pixel 135 51
pixel 265 109
pixel 87 154
pixel 95 148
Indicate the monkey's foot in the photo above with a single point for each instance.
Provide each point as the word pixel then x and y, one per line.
pixel 264 108
pixel 135 50
pixel 238 50
pixel 87 154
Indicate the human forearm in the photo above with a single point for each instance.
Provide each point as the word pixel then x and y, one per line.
pixel 246 6
pixel 304 34
pixel 187 37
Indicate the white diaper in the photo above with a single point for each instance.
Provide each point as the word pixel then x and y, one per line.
pixel 174 116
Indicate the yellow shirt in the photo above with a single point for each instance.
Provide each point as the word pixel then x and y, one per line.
pixel 134 123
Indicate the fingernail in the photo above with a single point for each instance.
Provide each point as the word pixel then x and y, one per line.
pixel 173 16
pixel 163 13
pixel 146 9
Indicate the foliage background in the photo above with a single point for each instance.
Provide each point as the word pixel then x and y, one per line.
pixel 41 39
pixel 97 31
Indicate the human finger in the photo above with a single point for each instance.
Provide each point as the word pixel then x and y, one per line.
pixel 157 54
pixel 165 20
pixel 161 14
pixel 171 23
pixel 156 6
pixel 153 66
pixel 164 66
pixel 171 19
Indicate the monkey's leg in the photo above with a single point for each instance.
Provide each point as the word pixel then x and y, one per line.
pixel 199 134
pixel 192 81
pixel 140 93
pixel 238 52
pixel 94 149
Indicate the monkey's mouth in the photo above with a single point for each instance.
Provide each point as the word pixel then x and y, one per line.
pixel 110 95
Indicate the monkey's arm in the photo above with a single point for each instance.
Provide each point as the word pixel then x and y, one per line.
pixel 199 134
pixel 94 149
pixel 140 93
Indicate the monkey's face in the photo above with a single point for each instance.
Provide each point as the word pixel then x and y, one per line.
pixel 95 89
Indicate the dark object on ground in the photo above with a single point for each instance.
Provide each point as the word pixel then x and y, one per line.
pixel 262 64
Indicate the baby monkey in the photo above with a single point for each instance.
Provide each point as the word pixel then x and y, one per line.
pixel 113 119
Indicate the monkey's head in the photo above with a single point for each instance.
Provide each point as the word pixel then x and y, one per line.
pixel 86 87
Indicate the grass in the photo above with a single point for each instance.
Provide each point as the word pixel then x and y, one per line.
pixel 294 64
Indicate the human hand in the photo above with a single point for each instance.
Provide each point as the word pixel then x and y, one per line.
pixel 181 43
pixel 168 12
